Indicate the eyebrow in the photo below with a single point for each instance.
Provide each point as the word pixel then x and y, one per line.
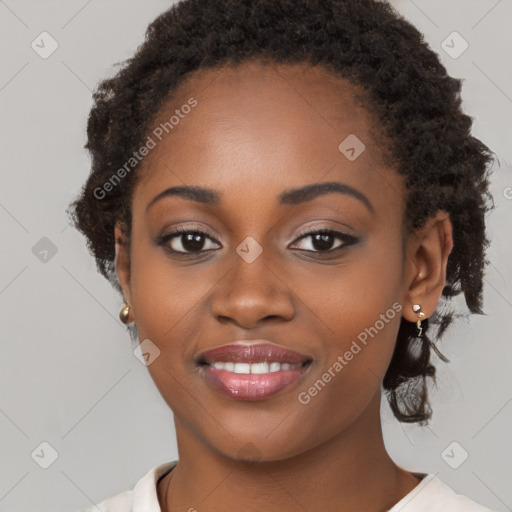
pixel 193 193
pixel 309 192
pixel 293 196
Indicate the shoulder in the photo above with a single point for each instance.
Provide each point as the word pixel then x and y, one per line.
pixel 121 502
pixel 143 496
pixel 433 495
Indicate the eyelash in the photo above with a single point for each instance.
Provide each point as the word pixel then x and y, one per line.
pixel 347 240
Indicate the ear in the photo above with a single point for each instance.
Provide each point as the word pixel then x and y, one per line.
pixel 122 261
pixel 427 256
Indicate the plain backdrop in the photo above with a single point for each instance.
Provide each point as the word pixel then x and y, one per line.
pixel 68 376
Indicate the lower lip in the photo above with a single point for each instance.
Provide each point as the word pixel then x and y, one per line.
pixel 252 386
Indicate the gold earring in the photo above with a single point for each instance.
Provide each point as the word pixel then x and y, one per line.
pixel 417 309
pixel 124 313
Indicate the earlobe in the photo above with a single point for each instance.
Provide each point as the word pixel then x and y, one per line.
pixel 428 257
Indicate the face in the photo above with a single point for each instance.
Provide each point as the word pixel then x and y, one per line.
pixel 322 273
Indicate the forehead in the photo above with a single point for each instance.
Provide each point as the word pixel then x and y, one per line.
pixel 259 123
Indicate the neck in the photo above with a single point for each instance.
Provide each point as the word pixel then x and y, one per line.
pixel 351 472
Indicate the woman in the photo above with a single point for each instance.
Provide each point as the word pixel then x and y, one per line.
pixel 283 192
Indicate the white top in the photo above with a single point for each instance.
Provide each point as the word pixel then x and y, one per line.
pixel 430 495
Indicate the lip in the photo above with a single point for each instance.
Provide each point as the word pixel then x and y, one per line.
pixel 254 351
pixel 252 387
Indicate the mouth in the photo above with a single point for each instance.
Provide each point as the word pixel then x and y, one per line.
pixel 255 371
pixel 254 368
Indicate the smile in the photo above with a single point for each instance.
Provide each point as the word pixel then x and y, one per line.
pixel 252 370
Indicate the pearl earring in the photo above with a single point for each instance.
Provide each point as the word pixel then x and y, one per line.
pixel 124 313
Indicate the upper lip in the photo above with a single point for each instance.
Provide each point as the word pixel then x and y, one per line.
pixel 254 351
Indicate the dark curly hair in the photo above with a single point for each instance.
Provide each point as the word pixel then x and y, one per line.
pixel 364 41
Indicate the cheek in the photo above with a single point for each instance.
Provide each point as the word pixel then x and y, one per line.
pixel 165 300
pixel 358 294
pixel 170 306
pixel 358 354
pixel 163 292
pixel 357 308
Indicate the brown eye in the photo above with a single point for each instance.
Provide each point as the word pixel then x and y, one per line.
pixel 325 240
pixel 187 241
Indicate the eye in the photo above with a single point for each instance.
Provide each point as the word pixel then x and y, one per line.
pixel 324 240
pixel 187 241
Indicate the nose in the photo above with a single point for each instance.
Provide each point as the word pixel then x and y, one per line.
pixel 251 293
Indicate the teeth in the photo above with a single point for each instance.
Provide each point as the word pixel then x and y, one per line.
pixel 275 367
pixel 257 368
pixel 242 368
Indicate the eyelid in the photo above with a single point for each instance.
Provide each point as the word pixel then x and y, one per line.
pixel 342 231
pixel 177 231
pixel 321 229
pixel 186 228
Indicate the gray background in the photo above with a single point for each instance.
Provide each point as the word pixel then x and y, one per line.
pixel 68 375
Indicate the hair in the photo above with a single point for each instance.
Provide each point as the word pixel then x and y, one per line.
pixel 406 87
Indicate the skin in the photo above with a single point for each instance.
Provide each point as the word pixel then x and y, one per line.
pixel 256 131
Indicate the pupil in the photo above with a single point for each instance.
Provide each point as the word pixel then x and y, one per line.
pixel 193 242
pixel 322 241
